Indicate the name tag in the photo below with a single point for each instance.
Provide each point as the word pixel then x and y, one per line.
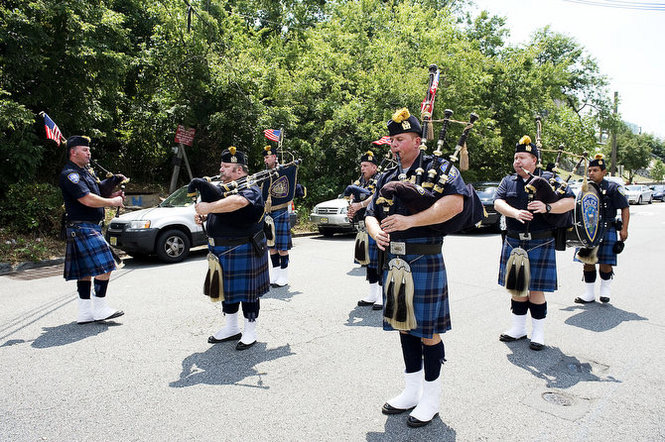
pixel 398 248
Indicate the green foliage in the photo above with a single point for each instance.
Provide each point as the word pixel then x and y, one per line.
pixel 658 171
pixel 127 72
pixel 32 208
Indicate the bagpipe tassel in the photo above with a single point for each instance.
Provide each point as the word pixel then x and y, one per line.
pixel 464 159
pixel 511 273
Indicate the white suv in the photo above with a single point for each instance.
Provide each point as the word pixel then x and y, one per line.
pixel 167 230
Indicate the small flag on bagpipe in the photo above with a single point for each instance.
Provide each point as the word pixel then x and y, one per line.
pixel 383 140
pixel 272 134
pixel 52 130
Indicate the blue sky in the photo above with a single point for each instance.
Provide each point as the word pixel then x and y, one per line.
pixel 627 45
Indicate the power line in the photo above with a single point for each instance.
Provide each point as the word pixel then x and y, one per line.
pixel 618 4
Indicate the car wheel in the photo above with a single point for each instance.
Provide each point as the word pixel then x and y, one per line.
pixel 639 200
pixel 172 246
pixel 326 232
pixel 650 199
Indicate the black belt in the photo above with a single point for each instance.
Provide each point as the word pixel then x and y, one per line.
pixel 404 248
pixel 216 242
pixel 525 236
pixel 98 223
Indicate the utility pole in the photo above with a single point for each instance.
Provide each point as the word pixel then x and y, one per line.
pixel 613 169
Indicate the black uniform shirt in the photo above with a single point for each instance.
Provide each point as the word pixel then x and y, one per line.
pixel 511 189
pixel 454 186
pixel 77 182
pixel 243 222
pixel 615 198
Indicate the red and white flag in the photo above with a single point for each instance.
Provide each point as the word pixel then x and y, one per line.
pixel 52 130
pixel 383 140
pixel 272 134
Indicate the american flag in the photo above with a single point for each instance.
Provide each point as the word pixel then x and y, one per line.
pixel 383 140
pixel 52 130
pixel 272 134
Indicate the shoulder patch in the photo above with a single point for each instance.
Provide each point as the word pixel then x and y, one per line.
pixel 621 190
pixel 452 174
pixel 74 177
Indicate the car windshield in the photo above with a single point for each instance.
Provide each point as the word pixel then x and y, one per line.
pixel 178 198
pixel 659 188
pixel 633 187
pixel 485 191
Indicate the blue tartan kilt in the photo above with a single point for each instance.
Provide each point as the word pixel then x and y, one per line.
pixel 605 253
pixel 282 229
pixel 430 298
pixel 373 253
pixel 542 262
pixel 245 273
pixel 87 252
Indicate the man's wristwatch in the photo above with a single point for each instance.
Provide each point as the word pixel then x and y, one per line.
pixel 548 208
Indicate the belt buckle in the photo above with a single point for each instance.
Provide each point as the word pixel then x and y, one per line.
pixel 361 225
pixel 525 236
pixel 398 247
pixel 211 242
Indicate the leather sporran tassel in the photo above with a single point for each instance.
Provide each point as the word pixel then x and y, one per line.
pixel 389 310
pixel 269 231
pixel 214 282
pixel 587 255
pixel 517 273
pixel 361 248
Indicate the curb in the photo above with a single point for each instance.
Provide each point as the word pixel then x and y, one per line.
pixel 7 268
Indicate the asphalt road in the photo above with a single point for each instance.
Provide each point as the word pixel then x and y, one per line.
pixel 323 367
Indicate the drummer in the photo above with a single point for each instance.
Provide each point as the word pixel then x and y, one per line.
pixel 613 197
pixel 529 230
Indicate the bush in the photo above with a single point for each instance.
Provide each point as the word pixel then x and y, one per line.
pixel 32 208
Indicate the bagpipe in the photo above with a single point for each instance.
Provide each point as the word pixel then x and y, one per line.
pixel 416 195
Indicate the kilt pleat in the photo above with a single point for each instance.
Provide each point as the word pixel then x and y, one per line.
pixel 542 262
pixel 87 252
pixel 430 299
pixel 245 273
pixel 605 253
pixel 282 229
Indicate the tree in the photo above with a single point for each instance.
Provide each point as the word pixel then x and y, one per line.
pixel 633 151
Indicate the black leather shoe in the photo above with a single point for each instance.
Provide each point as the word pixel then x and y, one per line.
pixel 604 299
pixel 242 346
pixel 377 307
pixel 389 409
pixel 584 301
pixel 536 346
pixel 415 423
pixel 214 340
pixel 363 303
pixel 507 338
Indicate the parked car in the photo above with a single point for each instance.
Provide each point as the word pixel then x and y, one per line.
pixel 486 192
pixel 167 230
pixel 330 217
pixel 639 193
pixel 659 192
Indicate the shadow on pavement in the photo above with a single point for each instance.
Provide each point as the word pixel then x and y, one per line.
pixel 357 271
pixel 397 430
pixel 365 317
pixel 557 369
pixel 69 333
pixel 222 364
pixel 599 317
pixel 281 293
